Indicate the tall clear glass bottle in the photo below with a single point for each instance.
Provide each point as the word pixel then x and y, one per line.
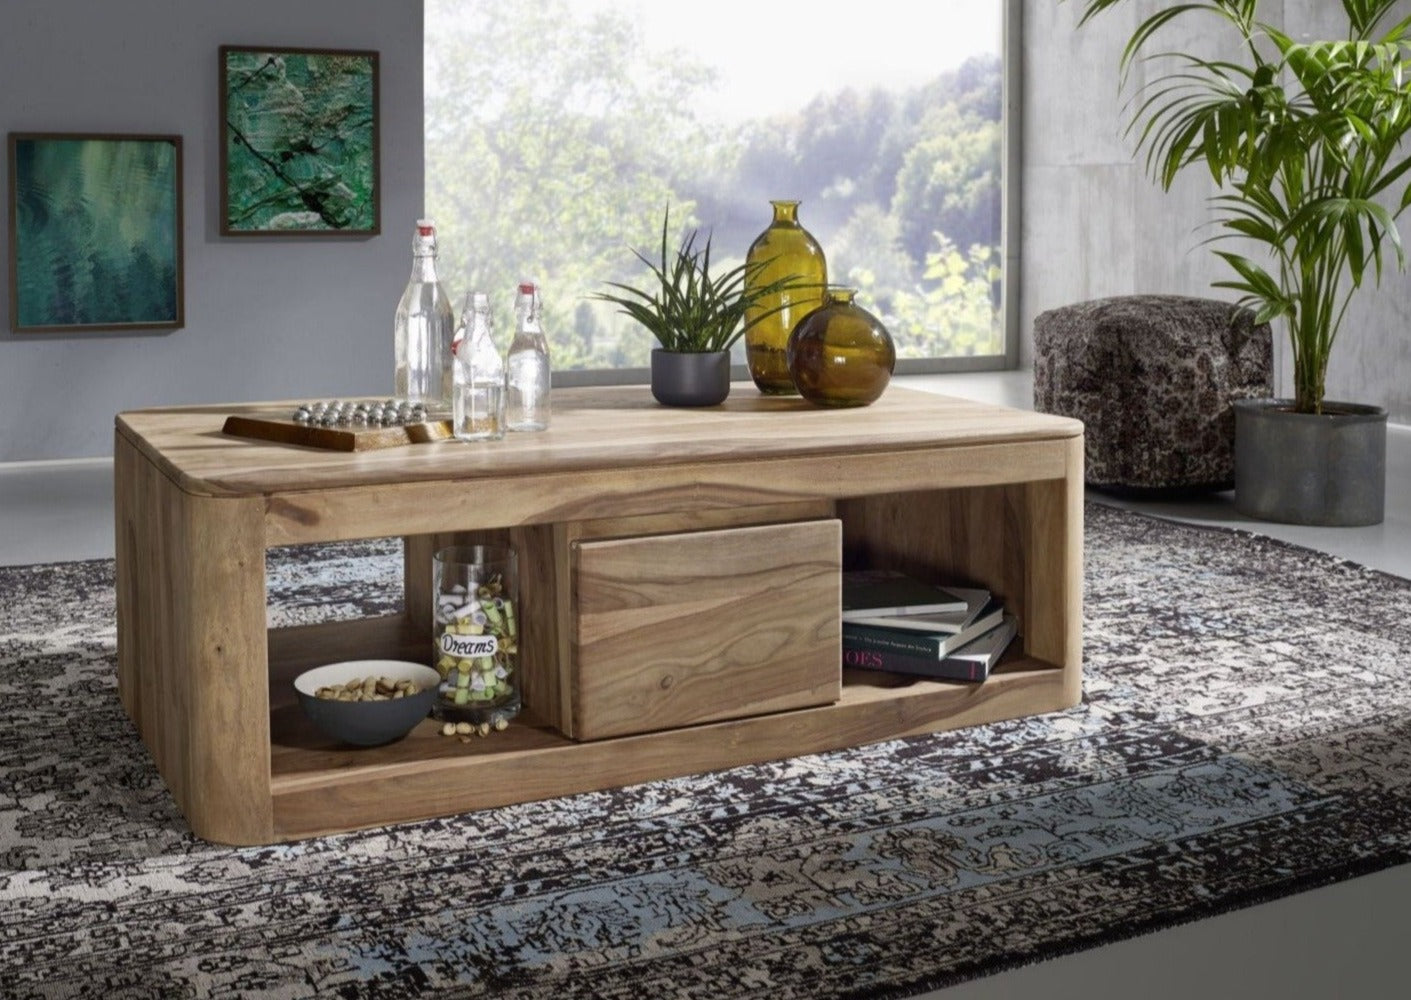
pixel 527 366
pixel 785 249
pixel 424 328
pixel 478 397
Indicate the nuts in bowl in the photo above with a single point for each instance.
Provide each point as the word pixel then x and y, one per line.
pixel 367 702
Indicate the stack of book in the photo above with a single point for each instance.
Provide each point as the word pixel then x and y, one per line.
pixel 898 624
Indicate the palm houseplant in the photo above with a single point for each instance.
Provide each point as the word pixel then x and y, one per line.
pixel 696 316
pixel 1304 142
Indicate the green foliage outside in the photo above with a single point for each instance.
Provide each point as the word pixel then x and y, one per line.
pixel 555 139
pixel 953 310
pixel 299 142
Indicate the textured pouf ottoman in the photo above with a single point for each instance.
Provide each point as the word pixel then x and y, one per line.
pixel 1152 378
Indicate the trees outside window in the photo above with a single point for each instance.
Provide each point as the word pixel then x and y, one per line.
pixel 557 132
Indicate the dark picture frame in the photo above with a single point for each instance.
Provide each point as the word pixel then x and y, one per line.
pixel 95 232
pixel 299 142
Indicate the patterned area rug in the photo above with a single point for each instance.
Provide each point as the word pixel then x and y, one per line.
pixel 1245 733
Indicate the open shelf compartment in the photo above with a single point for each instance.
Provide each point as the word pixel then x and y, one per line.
pixel 316 783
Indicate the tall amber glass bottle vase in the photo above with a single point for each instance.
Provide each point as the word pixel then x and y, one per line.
pixel 787 250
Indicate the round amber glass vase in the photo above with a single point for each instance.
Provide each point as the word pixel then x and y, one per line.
pixel 840 354
pixel 785 249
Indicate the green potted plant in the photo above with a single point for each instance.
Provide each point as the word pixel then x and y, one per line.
pixel 695 316
pixel 1303 140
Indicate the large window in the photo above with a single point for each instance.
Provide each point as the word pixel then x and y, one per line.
pixel 558 131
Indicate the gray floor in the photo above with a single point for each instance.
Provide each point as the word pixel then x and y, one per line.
pixel 1343 941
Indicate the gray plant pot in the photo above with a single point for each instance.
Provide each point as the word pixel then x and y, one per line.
pixel 690 379
pixel 1304 468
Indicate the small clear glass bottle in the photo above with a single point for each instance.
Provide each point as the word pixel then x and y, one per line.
pixel 423 329
pixel 478 397
pixel 527 366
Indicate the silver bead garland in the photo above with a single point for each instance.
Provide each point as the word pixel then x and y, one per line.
pixel 392 412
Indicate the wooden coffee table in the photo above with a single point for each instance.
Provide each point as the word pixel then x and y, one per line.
pixel 679 591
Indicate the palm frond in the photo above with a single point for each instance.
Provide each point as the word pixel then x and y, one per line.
pixel 1303 140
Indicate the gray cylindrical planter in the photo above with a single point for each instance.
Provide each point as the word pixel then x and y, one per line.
pixel 1305 468
pixel 690 379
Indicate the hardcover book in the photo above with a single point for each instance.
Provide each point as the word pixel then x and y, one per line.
pixel 931 621
pixel 971 662
pixel 935 645
pixel 887 592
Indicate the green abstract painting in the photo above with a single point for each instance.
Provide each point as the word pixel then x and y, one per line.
pixel 299 144
pixel 95 232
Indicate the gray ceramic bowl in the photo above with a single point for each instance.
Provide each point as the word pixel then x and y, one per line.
pixel 367 723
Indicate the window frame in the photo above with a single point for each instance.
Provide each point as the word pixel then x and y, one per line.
pixel 1011 55
pixel 1011 50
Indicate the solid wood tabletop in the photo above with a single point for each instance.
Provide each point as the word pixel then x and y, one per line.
pixel 593 428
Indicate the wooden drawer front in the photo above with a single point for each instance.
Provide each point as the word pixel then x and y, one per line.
pixel 672 630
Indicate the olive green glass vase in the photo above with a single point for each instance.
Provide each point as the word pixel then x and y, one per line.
pixel 840 354
pixel 786 249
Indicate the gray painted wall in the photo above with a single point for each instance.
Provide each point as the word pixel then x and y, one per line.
pixel 1094 224
pixel 265 318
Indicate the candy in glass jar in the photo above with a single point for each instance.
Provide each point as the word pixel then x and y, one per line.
pixel 475 634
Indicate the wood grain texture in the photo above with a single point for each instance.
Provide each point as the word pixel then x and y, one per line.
pixel 417 601
pixel 137 543
pixel 595 429
pixel 130 570
pixel 191 646
pixel 284 431
pixel 702 520
pixel 217 574
pixel 1053 550
pixel 369 511
pixel 674 630
pixel 1022 541
pixel 543 618
pixel 959 536
pixel 547 657
pixel 918 482
pixel 318 789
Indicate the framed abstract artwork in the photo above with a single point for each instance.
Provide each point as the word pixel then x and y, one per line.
pixel 299 142
pixel 95 232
